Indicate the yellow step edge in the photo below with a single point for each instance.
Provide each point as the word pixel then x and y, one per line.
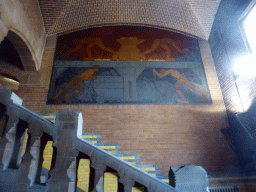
pixel 127 157
pixel 132 163
pixel 89 136
pixel 93 142
pixel 48 117
pixel 107 147
pixel 148 169
pixel 137 189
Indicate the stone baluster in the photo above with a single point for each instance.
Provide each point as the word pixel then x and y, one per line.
pixel 126 180
pixel 99 168
pixel 63 175
pixel 7 142
pixel 31 161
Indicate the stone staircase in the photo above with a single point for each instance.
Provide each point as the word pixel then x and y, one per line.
pixel 39 155
pixel 110 178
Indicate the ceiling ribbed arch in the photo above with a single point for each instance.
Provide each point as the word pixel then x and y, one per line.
pixel 176 15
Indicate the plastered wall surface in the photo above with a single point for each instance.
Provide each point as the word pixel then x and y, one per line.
pixel 166 135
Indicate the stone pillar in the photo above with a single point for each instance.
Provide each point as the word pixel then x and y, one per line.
pixel 63 176
pixel 3 31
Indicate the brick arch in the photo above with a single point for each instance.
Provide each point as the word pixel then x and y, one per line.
pixel 23 48
pixel 14 72
pixel 125 24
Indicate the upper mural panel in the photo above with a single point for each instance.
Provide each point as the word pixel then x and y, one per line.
pixel 127 65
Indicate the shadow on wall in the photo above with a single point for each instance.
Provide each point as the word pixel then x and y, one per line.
pixel 214 151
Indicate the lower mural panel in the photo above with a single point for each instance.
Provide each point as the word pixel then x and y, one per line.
pixel 128 82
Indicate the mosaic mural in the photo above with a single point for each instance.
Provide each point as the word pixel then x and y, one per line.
pixel 127 65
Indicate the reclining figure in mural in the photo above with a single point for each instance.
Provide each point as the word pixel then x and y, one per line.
pixel 90 42
pixel 76 84
pixel 163 43
pixel 181 79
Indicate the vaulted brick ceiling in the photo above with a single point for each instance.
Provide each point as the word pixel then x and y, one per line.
pixel 193 17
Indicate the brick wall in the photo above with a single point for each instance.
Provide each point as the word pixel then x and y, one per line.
pixel 166 135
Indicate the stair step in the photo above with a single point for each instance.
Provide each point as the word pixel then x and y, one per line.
pixel 90 137
pixel 153 173
pixel 49 116
pixel 94 141
pixel 137 189
pixel 150 169
pixel 129 157
pixel 108 145
pixel 164 179
pixel 110 179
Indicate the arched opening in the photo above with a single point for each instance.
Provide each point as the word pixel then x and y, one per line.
pixel 25 61
pixel 9 54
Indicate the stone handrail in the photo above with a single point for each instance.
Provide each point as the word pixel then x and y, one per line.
pixel 67 136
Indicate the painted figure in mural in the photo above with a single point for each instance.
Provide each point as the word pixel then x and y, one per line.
pixel 90 42
pixel 128 51
pixel 76 84
pixel 163 43
pixel 181 80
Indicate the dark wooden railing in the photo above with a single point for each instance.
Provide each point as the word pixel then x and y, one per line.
pixel 66 134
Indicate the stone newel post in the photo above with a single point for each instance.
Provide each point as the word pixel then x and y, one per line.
pixel 63 175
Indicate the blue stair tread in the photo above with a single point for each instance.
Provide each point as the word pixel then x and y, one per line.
pixel 130 155
pixel 92 139
pixel 156 169
pixel 146 166
pixel 91 134
pixel 108 144
pixel 110 149
pixel 130 160
pixel 152 172
pixel 162 177
pixel 98 141
pixel 47 114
